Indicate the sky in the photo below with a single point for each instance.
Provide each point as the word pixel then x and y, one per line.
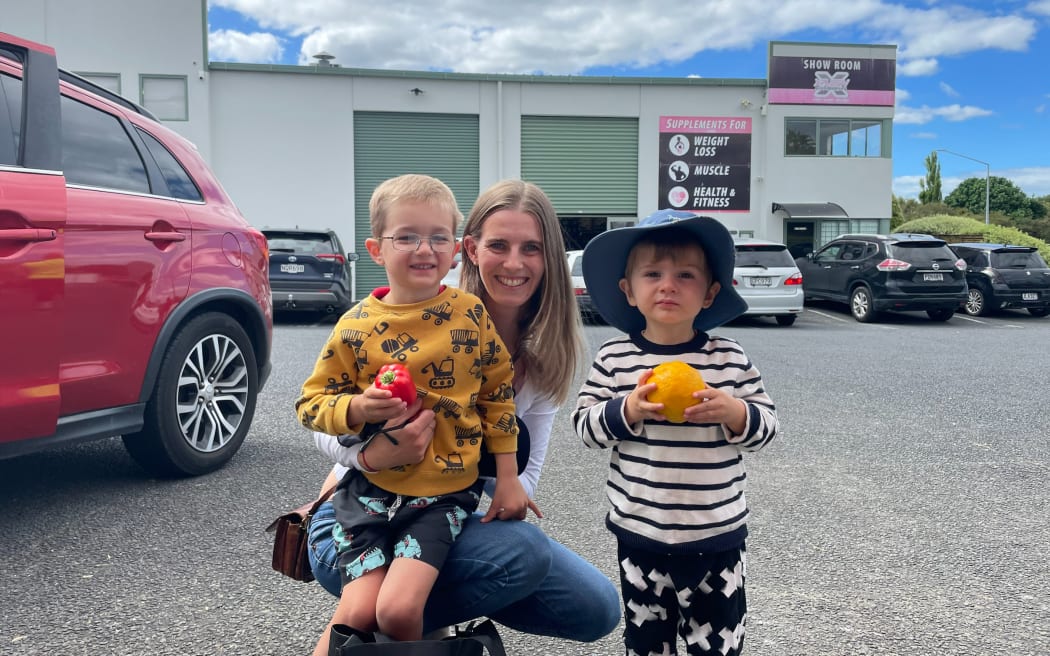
pixel 972 75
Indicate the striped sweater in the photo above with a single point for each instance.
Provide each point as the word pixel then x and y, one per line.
pixel 674 488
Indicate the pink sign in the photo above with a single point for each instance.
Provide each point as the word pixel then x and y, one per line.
pixel 709 124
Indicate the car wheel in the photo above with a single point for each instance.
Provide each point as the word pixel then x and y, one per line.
pixel 976 304
pixel 943 314
pixel 786 319
pixel 1039 311
pixel 860 305
pixel 203 401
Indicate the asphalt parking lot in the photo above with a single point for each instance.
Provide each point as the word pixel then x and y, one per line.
pixel 903 510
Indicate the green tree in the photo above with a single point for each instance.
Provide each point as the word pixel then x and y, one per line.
pixel 1004 196
pixel 930 186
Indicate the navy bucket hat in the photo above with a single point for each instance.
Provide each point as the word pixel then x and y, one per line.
pixel 605 260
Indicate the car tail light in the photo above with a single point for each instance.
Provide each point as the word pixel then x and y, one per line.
pixel 260 240
pixel 794 279
pixel 735 283
pixel 960 264
pixel 579 291
pixel 890 264
pixel 336 257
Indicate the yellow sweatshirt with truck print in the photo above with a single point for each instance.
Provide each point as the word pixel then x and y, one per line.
pixel 460 368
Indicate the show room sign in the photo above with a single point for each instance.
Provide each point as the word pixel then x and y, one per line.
pixel 832 81
pixel 705 163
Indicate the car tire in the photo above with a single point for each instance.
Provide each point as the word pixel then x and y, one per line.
pixel 941 314
pixel 203 401
pixel 861 305
pixel 786 319
pixel 1039 311
pixel 976 304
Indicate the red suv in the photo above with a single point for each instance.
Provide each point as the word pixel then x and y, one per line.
pixel 134 297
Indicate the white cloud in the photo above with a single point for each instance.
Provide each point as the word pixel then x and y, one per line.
pixel 921 115
pixel 924 135
pixel 948 90
pixel 570 36
pixel 1041 7
pixel 917 67
pixel 1033 180
pixel 257 47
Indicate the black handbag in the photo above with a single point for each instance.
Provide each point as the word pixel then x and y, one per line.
pixel 474 640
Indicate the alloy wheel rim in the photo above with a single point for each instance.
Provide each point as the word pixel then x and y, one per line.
pixel 860 304
pixel 974 302
pixel 212 393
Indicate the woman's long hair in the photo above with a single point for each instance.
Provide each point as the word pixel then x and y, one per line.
pixel 551 341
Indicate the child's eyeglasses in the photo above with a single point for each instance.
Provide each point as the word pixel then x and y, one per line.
pixel 409 243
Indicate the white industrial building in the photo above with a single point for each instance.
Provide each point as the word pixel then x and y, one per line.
pixel 799 157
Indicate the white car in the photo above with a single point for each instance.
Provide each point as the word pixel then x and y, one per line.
pixel 451 278
pixel 768 280
pixel 588 312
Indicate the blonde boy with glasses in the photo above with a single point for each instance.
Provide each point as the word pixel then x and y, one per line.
pixel 394 527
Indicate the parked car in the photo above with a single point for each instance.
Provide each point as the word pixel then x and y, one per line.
pixel 874 273
pixel 1004 276
pixel 135 296
pixel 309 271
pixel 768 280
pixel 588 312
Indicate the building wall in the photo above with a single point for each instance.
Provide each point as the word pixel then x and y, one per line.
pixel 281 137
pixel 129 37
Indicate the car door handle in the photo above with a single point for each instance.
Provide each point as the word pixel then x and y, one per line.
pixel 165 236
pixel 855 267
pixel 28 234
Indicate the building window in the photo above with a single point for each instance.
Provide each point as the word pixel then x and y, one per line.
pixel 108 81
pixel 165 95
pixel 833 137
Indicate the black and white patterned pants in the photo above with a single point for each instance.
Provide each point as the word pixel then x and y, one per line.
pixel 699 597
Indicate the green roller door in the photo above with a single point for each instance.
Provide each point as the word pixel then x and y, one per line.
pixel 388 144
pixel 587 165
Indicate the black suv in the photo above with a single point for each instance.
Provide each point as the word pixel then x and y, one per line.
pixel 1004 276
pixel 309 271
pixel 873 273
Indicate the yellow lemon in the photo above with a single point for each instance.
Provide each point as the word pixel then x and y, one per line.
pixel 675 383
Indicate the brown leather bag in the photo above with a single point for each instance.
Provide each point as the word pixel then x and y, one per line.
pixel 291 539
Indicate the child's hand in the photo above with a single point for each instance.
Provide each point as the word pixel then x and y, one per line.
pixel 509 501
pixel 375 405
pixel 636 406
pixel 717 407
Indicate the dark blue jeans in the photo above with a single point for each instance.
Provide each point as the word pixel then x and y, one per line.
pixel 508 571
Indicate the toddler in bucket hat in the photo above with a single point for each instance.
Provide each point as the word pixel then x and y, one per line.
pixel 605 259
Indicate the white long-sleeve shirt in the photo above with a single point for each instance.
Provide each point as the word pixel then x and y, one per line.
pixel 533 409
pixel 674 488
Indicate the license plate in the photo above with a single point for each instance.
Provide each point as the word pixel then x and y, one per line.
pixel 293 268
pixel 1029 296
pixel 933 277
pixel 761 281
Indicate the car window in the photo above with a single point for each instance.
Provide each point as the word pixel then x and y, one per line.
pixel 308 244
pixel 829 252
pixel 1017 260
pixel 577 266
pixel 11 123
pixel 921 253
pixel 180 185
pixel 98 152
pixel 763 256
pixel 852 250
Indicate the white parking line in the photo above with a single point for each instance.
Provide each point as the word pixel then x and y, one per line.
pixel 826 315
pixel 966 318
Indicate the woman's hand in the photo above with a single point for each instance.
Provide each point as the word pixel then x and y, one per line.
pixel 509 499
pixel 412 440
